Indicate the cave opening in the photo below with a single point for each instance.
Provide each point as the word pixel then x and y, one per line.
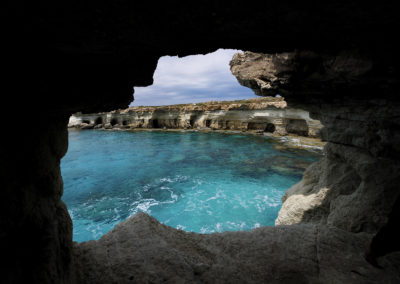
pixel 98 120
pixel 196 115
pixel 114 121
pixel 192 121
pixel 270 128
pixel 86 121
pixel 191 154
pixel 155 123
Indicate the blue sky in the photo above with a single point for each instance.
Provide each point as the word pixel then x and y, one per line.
pixel 191 79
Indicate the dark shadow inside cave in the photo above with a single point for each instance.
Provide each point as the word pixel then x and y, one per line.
pixel 270 128
pixel 155 123
pixel 114 121
pixel 192 121
pixel 98 120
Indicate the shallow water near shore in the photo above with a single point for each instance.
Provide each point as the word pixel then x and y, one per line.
pixel 200 182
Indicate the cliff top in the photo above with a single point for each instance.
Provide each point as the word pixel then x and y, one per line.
pixel 248 104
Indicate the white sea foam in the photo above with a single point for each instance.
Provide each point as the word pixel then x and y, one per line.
pixel 204 199
pixel 143 206
pixel 180 227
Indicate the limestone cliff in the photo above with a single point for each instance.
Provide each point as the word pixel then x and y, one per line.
pixel 262 114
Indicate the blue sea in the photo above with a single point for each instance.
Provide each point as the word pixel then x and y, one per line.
pixel 194 181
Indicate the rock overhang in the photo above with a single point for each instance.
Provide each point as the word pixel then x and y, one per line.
pixel 98 52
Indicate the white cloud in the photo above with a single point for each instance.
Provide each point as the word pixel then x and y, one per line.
pixel 195 78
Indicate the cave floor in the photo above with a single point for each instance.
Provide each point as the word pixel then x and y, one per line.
pixel 143 250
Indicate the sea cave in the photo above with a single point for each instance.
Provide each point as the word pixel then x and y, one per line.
pixel 337 60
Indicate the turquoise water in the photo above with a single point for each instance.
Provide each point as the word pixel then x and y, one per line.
pixel 200 182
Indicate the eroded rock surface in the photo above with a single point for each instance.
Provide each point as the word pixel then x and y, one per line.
pixel 144 251
pixel 264 114
pixel 354 186
pixel 307 77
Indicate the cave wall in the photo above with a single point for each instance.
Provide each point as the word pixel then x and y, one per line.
pixel 36 229
pixel 355 185
pixel 65 57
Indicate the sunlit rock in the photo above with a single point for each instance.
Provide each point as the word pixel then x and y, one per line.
pixel 263 115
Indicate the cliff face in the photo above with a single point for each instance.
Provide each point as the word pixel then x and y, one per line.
pixel 262 114
pixel 354 186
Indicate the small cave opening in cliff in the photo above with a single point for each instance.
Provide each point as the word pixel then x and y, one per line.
pixel 98 120
pixel 270 128
pixel 192 121
pixel 155 123
pixel 114 121
pixel 125 122
pixel 208 122
pixel 86 121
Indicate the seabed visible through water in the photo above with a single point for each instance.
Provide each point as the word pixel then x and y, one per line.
pixel 194 181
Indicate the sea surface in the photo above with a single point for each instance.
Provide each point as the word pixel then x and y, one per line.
pixel 200 182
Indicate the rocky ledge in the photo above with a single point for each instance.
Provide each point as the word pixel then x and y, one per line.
pixel 269 114
pixel 141 250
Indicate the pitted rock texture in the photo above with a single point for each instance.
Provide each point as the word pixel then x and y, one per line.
pixel 354 186
pixel 142 250
pixel 263 73
pixel 305 77
pixel 261 114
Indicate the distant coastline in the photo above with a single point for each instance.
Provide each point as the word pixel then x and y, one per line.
pixel 259 115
